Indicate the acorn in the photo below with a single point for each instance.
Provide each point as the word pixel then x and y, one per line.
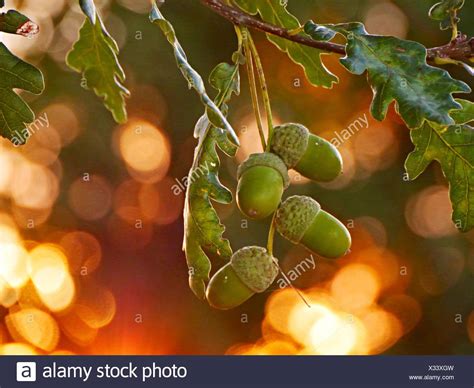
pixel 262 180
pixel 251 270
pixel 301 220
pixel 310 155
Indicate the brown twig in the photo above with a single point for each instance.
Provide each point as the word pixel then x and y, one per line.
pixel 460 49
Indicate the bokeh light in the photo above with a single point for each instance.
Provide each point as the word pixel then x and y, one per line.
pixel 145 150
pixel 442 269
pixel 35 327
pixel 83 251
pixel 49 273
pixel 386 18
pixel 90 197
pixel 96 306
pixel 17 349
pixel 355 287
pixel 14 267
pixel 428 213
pixel 250 142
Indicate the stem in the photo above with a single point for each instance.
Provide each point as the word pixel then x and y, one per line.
pixel 288 281
pixel 447 61
pixel 240 40
pixel 271 235
pixel 237 16
pixel 454 25
pixel 253 87
pixel 264 88
pixel 460 49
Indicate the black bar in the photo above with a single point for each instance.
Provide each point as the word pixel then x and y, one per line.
pixel 241 371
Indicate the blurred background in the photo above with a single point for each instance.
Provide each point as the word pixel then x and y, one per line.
pixel 91 232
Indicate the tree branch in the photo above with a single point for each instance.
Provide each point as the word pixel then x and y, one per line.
pixel 460 49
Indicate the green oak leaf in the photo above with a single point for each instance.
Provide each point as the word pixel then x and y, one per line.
pixel 446 12
pixel 15 114
pixel 464 115
pixel 226 79
pixel 275 12
pixel 14 22
pixel 319 32
pixel 203 229
pixel 95 56
pixel 193 78
pixel 397 71
pixel 453 148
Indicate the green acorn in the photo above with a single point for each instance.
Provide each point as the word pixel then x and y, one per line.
pixel 262 180
pixel 300 219
pixel 251 270
pixel 310 155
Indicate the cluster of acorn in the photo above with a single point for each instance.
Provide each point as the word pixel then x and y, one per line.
pixel 262 180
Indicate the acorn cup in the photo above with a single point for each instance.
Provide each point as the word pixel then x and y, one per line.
pixel 310 155
pixel 262 180
pixel 251 270
pixel 301 220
